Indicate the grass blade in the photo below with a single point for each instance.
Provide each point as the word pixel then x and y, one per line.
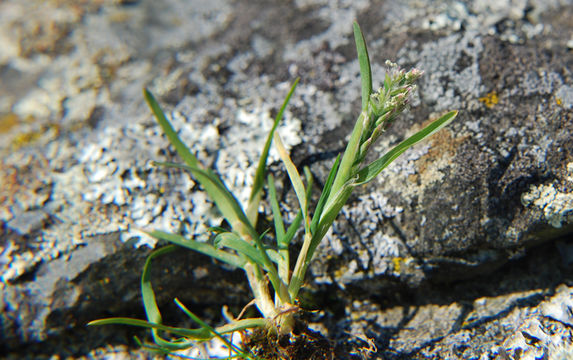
pixel 171 134
pixel 348 162
pixel 295 179
pixel 330 213
pixel 275 256
pixel 293 227
pixel 284 262
pixel 346 168
pixel 369 172
pixel 226 202
pixel 151 348
pixel 150 304
pixel 196 334
pixel 256 191
pixel 233 241
pixel 365 69
pixel 215 333
pixel 216 189
pixel 218 192
pixel 324 195
pixel 309 183
pixel 277 216
pixel 201 247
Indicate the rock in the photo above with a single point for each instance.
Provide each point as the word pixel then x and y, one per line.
pixel 461 248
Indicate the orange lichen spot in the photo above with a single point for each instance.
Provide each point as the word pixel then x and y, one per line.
pixel 490 99
pixel 8 121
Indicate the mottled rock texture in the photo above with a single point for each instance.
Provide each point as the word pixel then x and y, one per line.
pixel 461 249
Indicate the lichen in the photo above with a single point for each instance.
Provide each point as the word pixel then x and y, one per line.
pixel 564 96
pixel 490 99
pixel 557 206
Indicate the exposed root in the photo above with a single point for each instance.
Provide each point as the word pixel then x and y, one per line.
pixel 302 344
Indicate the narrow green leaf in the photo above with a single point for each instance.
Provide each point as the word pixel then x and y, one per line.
pixel 171 134
pixel 196 334
pixel 150 304
pixel 275 207
pixel 274 256
pixel 226 202
pixel 369 172
pixel 201 247
pixel 256 191
pixel 244 324
pixel 293 227
pixel 324 195
pixel 330 213
pixel 156 349
pixel 233 241
pixel 308 193
pixel 294 176
pixel 204 325
pixel 364 61
pixel 218 192
pixel 346 168
pixel 297 277
pixel 151 309
pixel 310 243
pixel 309 182
pixel 217 229
pixel 283 256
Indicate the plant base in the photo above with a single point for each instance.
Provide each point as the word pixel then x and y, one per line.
pixel 302 344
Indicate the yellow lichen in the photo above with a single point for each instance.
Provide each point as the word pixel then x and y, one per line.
pixel 397 262
pixel 8 121
pixel 24 139
pixel 490 99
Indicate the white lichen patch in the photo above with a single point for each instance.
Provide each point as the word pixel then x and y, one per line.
pixel 557 207
pixel 560 307
pixel 564 96
pixel 13 264
pixel 545 333
pixel 95 177
pixel 374 258
pixel 70 86
pixel 531 341
pixel 238 160
pixel 338 14
pixel 489 307
pixel 438 60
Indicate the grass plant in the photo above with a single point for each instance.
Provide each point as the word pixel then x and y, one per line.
pixel 265 260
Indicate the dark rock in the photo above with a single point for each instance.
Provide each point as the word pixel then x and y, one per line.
pixel 461 248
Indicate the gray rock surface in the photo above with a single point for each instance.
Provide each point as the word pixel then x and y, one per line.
pixel 461 249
